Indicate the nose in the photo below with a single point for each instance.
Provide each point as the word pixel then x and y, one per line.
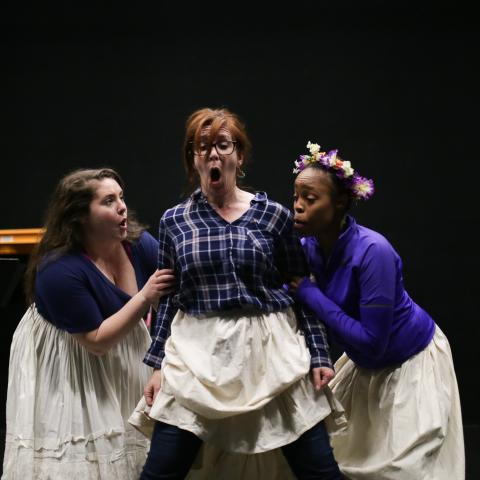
pixel 122 207
pixel 213 151
pixel 297 206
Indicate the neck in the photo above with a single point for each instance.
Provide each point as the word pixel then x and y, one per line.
pixel 224 199
pixel 98 250
pixel 327 239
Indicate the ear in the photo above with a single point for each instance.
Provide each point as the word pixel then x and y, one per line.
pixel 240 160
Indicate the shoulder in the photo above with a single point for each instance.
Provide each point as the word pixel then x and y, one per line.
pixel 273 211
pixel 145 246
pixel 67 262
pixel 146 240
pixel 179 210
pixel 63 271
pixel 373 244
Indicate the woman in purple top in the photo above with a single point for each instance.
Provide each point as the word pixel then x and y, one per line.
pixel 396 379
pixel 76 366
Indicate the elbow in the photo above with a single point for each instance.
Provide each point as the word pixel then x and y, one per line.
pixel 92 344
pixel 377 348
pixel 98 352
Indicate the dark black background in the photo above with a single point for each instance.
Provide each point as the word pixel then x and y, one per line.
pixel 393 85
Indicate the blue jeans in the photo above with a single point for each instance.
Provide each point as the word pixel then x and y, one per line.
pixel 311 457
pixel 173 451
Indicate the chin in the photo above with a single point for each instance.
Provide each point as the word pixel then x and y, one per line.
pixel 301 230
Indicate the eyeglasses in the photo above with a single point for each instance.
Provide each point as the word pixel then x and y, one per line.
pixel 224 147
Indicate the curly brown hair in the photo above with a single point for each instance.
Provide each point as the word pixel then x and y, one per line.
pixel 68 207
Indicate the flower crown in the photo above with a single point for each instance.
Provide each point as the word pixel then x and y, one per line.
pixel 361 188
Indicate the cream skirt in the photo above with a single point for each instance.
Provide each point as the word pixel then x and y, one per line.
pixel 404 423
pixel 67 409
pixel 241 383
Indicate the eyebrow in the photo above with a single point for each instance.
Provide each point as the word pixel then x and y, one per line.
pixel 108 195
pixel 302 186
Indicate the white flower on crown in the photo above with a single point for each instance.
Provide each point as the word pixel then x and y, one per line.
pixel 313 147
pixel 347 169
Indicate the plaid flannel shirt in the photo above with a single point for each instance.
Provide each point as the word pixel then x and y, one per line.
pixel 223 266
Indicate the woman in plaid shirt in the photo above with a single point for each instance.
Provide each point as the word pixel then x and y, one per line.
pixel 231 359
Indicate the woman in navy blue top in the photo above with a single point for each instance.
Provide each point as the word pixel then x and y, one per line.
pixel 232 361
pixel 396 378
pixel 75 364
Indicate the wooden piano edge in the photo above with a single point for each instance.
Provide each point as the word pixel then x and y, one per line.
pixel 19 241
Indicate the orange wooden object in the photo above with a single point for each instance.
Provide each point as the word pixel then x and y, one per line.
pixel 19 241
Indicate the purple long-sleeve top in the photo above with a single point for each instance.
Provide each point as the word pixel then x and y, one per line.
pixel 360 296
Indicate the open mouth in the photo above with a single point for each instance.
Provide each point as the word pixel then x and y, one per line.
pixel 215 174
pixel 123 223
pixel 298 223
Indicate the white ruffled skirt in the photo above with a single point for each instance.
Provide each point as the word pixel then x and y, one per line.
pixel 67 409
pixel 241 383
pixel 404 422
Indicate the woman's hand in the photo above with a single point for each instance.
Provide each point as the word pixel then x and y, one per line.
pixel 153 387
pixel 161 283
pixel 321 376
pixel 293 284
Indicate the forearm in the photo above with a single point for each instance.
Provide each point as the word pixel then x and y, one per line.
pixel 370 333
pixel 115 327
pixel 316 339
pixel 156 352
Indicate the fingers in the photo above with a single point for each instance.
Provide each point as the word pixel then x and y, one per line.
pixel 294 283
pixel 321 376
pixel 157 286
pixel 148 393
pixel 165 276
pixel 326 374
pixel 292 286
pixel 165 271
pixel 152 388
pixel 324 380
pixel 163 280
pixel 317 379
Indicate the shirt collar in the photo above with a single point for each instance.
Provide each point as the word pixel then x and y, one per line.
pixel 346 235
pixel 198 196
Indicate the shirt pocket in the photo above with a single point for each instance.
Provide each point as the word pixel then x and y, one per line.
pixel 259 248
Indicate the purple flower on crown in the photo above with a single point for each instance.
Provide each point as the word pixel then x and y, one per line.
pixel 329 159
pixel 362 188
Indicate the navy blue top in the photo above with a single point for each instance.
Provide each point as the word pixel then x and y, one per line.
pixel 360 296
pixel 74 295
